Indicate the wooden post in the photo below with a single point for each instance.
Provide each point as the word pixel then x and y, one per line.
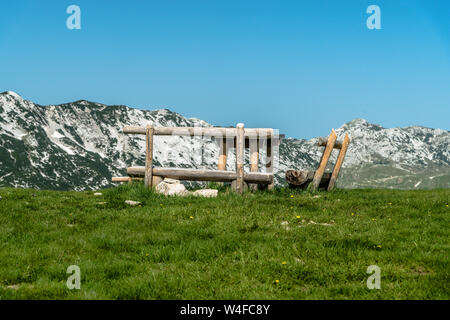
pixel 148 176
pixel 324 160
pixel 254 157
pixel 339 162
pixel 240 158
pixel 269 159
pixel 222 165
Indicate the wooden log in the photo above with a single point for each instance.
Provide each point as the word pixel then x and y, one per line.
pixel 254 158
pixel 222 165
pixel 339 161
pixel 269 160
pixel 240 158
pixel 202 174
pixel 196 131
pixel 123 179
pixel 322 142
pixel 148 157
pixel 155 179
pixel 323 162
pixel 302 178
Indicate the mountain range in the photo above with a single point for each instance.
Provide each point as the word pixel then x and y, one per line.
pixel 80 146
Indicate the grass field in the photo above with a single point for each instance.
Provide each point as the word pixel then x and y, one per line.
pixel 267 245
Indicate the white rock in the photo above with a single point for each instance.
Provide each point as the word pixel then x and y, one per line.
pixel 210 193
pixel 132 203
pixel 98 194
pixel 171 181
pixel 171 189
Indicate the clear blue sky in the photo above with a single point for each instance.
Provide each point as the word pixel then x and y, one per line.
pixel 303 67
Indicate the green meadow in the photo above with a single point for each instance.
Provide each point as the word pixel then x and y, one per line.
pixel 279 244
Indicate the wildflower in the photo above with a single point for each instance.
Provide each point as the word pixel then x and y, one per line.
pixel 389 203
pixel 353 213
pixel 446 205
pixel 379 246
pixel 292 195
pixel 277 281
pixel 191 217
pixel 298 217
pixel 284 262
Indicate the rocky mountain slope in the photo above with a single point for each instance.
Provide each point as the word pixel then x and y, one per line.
pixel 80 145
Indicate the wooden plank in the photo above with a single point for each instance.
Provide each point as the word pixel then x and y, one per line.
pixel 240 158
pixel 339 161
pixel 269 160
pixel 122 179
pixel 223 150
pixel 200 131
pixel 322 142
pixel 148 157
pixel 323 162
pixel 202 174
pixel 254 158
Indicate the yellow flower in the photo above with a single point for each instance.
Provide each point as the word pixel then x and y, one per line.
pixel 191 217
pixel 292 195
pixel 379 246
pixel 389 203
pixel 446 205
pixel 277 281
pixel 298 217
pixel 353 213
pixel 284 262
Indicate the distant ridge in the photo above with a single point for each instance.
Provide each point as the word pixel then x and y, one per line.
pixel 79 146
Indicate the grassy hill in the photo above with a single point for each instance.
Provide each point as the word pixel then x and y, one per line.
pixel 265 245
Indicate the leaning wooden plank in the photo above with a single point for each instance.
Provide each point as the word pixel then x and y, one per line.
pixel 323 163
pixel 302 178
pixel 148 157
pixel 240 158
pixel 202 174
pixel 322 142
pixel 339 161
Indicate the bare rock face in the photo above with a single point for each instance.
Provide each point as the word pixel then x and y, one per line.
pixel 170 187
pixel 209 193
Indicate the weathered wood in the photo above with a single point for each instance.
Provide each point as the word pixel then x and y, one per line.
pixel 148 157
pixel 198 131
pixel 123 179
pixel 323 163
pixel 322 142
pixel 339 161
pixel 302 178
pixel 240 158
pixel 202 174
pixel 155 179
pixel 222 165
pixel 269 160
pixel 254 158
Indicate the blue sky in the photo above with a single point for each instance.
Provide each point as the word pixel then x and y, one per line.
pixel 302 67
